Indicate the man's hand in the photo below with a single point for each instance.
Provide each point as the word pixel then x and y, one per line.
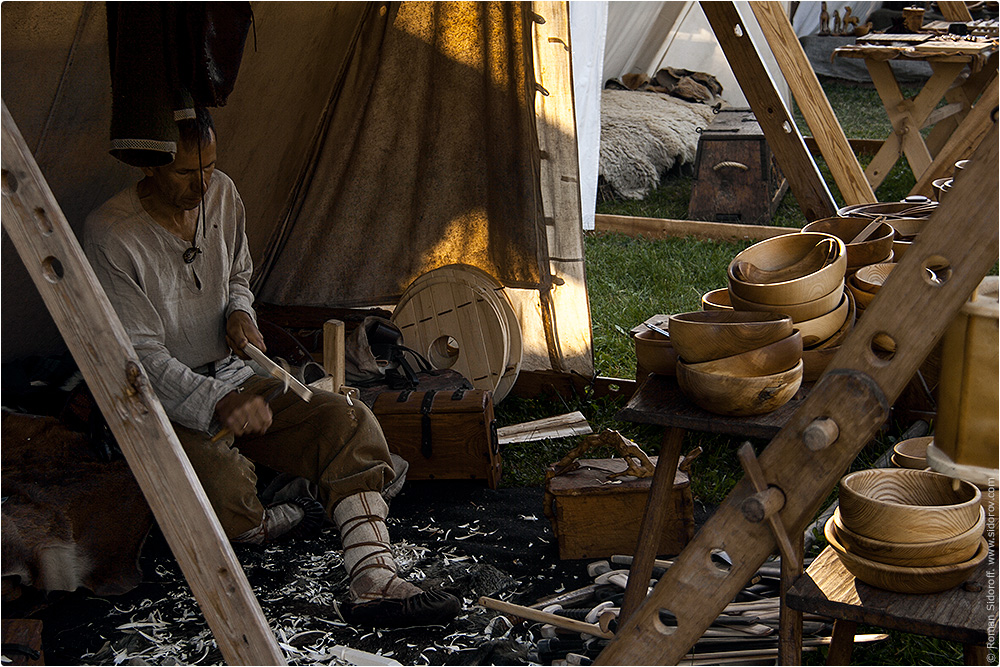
pixel 241 330
pixel 243 413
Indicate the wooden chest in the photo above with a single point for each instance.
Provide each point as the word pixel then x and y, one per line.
pixel 445 434
pixel 594 516
pixel 736 178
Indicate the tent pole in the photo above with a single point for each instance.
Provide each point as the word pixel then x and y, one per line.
pixel 779 129
pixel 101 348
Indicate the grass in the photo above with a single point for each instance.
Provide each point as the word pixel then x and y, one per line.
pixel 630 279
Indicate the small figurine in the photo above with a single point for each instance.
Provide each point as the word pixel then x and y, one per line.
pixel 824 20
pixel 850 22
pixel 836 22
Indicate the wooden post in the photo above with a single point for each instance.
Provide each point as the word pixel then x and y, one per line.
pixel 955 11
pixel 333 352
pixel 856 392
pixel 813 103
pixel 777 123
pixel 101 348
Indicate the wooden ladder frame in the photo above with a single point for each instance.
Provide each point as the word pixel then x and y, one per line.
pixel 841 414
pixel 96 338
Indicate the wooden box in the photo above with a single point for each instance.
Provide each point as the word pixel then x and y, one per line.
pixel 445 434
pixel 593 517
pixel 736 178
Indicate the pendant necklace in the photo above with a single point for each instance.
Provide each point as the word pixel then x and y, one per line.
pixel 191 253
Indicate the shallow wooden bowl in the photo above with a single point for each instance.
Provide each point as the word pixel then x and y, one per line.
pixel 815 361
pixel 819 329
pixel 912 453
pixel 738 396
pixel 785 252
pixel 654 353
pixel 893 209
pixel 902 579
pixel 903 505
pixel 862 298
pixel 956 549
pixel 875 248
pixel 717 299
pixel 870 278
pixel 799 312
pixel 713 334
pixel 774 358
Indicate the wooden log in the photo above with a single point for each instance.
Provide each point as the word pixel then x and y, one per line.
pixel 660 228
pixel 95 336
pixel 779 128
pixel 856 391
pixel 813 103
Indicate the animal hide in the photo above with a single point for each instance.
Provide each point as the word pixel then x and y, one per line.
pixel 69 520
pixel 643 135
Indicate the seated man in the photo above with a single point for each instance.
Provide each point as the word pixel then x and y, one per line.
pixel 171 253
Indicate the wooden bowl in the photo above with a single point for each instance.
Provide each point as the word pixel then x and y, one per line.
pixel 902 505
pixel 875 248
pixel 912 453
pixel 815 361
pixel 713 334
pixel 941 186
pixel 797 311
pixel 819 329
pixel 787 252
pixel 870 278
pixel 774 358
pixel 896 209
pixel 838 337
pixel 907 230
pixel 862 298
pixel 738 396
pixel 901 579
pixel 717 299
pixel 654 353
pixel 953 550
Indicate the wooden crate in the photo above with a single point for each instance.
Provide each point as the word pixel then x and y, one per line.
pixel 592 518
pixel 447 434
pixel 737 179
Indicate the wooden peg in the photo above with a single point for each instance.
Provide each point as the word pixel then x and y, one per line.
pixel 754 473
pixel 763 504
pixel 333 352
pixel 820 434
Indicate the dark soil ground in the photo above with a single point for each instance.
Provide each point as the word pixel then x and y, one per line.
pixel 464 536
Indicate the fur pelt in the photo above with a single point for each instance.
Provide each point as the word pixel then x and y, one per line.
pixel 643 135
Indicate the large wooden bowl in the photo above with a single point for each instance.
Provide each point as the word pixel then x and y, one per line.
pixel 774 358
pixel 654 353
pixel 838 337
pixel 713 334
pixel 902 505
pixel 862 298
pixel 799 312
pixel 901 579
pixel 815 361
pixel 912 452
pixel 953 550
pixel 717 299
pixel 782 253
pixel 819 329
pixel 875 248
pixel 738 396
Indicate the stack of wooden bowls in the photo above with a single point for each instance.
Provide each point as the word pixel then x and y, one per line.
pixel 906 217
pixel 909 531
pixel 800 275
pixel 654 352
pixel 865 284
pixel 737 363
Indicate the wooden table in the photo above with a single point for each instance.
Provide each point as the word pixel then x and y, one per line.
pixel 948 57
pixel 961 614
pixel 659 401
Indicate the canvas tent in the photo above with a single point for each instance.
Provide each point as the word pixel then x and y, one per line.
pixel 371 142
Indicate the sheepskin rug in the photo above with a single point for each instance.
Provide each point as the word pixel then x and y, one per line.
pixel 643 134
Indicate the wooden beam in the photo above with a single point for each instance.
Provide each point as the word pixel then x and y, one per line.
pixel 776 122
pixel 662 228
pixel 955 11
pixel 856 392
pixel 813 103
pixel 95 336
pixel 859 146
pixel 962 142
